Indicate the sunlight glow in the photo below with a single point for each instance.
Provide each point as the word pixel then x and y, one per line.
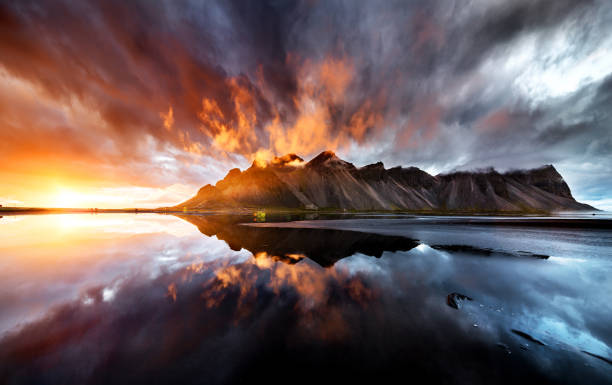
pixel 69 198
pixel 71 194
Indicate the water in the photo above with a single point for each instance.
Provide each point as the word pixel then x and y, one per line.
pixel 122 298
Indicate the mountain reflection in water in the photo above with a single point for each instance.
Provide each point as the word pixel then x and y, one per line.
pixel 244 303
pixel 290 245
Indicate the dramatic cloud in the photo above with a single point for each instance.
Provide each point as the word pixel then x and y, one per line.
pixel 165 93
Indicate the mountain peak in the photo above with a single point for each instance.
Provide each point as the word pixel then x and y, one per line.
pixel 330 160
pixel 546 178
pixel 544 170
pixel 375 166
pixel 325 155
pixel 549 168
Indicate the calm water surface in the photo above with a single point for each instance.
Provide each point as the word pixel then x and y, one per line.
pixel 205 299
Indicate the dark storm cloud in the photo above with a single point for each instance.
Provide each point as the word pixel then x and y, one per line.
pixel 509 21
pixel 131 61
pixel 437 83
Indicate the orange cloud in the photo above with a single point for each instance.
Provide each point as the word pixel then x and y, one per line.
pixel 168 119
pixel 172 292
pixel 234 131
pixel 320 86
pixel 308 130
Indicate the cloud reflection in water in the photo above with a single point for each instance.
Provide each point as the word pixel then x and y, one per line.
pixel 227 316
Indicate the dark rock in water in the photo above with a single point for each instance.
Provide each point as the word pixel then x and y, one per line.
pixel 330 182
pixel 486 252
pixel 532 255
pixel 609 361
pixel 454 300
pixel 527 337
pixel 504 346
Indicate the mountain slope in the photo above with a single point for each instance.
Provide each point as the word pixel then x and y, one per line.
pixel 330 182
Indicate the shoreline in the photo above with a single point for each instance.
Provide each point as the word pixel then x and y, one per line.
pixel 281 211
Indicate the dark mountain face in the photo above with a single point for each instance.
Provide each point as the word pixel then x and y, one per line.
pixel 545 178
pixel 330 182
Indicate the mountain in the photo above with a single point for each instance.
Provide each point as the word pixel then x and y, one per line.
pixel 330 182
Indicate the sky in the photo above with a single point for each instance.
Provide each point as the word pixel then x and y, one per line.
pixel 140 103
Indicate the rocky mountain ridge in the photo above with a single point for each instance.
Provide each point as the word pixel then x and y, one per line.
pixel 328 182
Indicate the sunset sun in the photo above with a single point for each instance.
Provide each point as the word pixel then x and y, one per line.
pixel 69 198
